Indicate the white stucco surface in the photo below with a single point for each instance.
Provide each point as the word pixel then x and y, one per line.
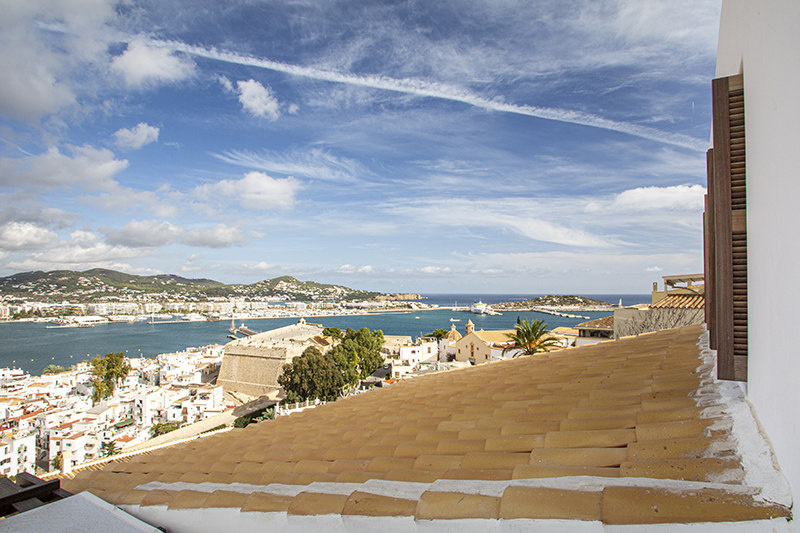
pixel 215 520
pixel 83 512
pixel 762 40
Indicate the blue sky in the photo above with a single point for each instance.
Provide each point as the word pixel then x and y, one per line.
pixel 463 146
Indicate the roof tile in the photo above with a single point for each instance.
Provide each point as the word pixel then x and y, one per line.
pixel 547 503
pixel 471 443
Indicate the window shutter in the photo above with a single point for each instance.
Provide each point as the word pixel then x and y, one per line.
pixel 725 231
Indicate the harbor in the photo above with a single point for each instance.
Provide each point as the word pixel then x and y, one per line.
pixel 31 345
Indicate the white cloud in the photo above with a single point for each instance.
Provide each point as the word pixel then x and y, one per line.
pixel 226 83
pixel 88 167
pixel 123 199
pixel 654 269
pixel 311 163
pixel 83 250
pixel 136 137
pixel 142 65
pixel 153 234
pixel 143 234
pixel 430 269
pixel 679 197
pixel 258 100
pixel 435 89
pixel 17 210
pixel 261 266
pixel 220 236
pixel 534 219
pixel 192 263
pixel 353 269
pixel 255 190
pixel 24 236
pixel 44 46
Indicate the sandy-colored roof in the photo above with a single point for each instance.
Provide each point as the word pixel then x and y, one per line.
pixel 453 334
pixel 682 301
pixel 625 432
pixel 606 322
pixel 495 336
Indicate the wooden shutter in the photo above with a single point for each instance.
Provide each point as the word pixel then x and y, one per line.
pixel 725 231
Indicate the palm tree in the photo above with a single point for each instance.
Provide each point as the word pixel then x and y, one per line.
pixel 529 337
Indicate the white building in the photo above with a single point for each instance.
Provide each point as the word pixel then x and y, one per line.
pixel 758 53
pixel 17 452
pixel 425 349
pixel 447 345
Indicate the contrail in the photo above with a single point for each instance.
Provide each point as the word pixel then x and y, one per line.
pixel 443 91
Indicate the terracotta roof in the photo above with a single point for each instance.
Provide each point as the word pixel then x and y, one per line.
pixel 682 301
pixel 626 432
pixel 606 322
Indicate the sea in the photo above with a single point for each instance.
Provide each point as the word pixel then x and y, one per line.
pixel 31 346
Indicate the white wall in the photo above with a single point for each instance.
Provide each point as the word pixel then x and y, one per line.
pixel 763 38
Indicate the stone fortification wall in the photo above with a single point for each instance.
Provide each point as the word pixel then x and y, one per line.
pixel 254 370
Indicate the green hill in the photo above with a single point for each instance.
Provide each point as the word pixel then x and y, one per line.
pixel 103 284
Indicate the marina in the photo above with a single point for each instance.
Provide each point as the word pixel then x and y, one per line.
pixel 31 345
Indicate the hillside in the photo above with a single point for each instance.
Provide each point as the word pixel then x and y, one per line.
pixel 102 284
pixel 563 300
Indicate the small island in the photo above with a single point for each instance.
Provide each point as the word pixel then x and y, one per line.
pixel 569 301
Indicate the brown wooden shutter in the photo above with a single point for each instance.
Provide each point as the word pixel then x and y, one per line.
pixel 725 231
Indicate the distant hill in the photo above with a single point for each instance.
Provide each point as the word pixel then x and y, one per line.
pixel 562 300
pixel 103 284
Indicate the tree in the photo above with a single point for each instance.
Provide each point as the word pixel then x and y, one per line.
pixel 53 369
pixel 107 372
pixel 333 332
pixel 438 333
pixel 111 448
pixel 58 461
pixel 529 337
pixel 162 429
pixel 311 376
pixel 345 357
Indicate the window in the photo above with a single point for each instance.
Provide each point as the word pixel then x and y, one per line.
pixel 725 231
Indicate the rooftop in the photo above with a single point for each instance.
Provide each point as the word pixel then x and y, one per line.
pixel 681 301
pixel 299 332
pixel 606 322
pixel 495 336
pixel 633 431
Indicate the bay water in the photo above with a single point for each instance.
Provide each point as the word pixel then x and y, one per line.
pixel 31 346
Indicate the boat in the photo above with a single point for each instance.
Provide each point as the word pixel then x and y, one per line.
pixel 194 317
pixel 455 320
pixel 478 308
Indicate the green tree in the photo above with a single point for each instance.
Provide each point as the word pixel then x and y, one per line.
pixel 530 337
pixel 311 376
pixel 438 333
pixel 162 429
pixel 333 332
pixel 111 448
pixel 359 354
pixel 53 369
pixel 345 357
pixel 58 461
pixel 107 372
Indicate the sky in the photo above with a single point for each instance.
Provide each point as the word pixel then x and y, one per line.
pixel 457 146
